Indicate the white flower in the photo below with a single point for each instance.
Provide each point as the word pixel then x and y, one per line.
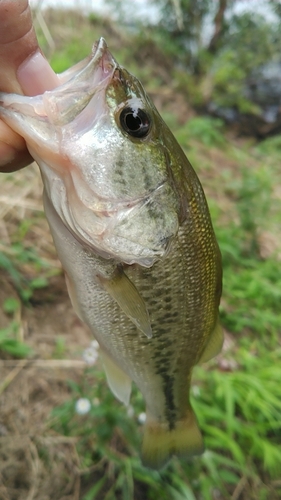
pixel 90 355
pixel 142 418
pixel 82 406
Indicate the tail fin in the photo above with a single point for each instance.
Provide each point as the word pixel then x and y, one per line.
pixel 160 443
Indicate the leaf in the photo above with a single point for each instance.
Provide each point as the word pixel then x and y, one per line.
pixel 15 348
pixel 93 492
pixel 184 494
pixel 11 305
pixel 39 282
pixel 7 264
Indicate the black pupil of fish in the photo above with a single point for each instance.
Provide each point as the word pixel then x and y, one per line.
pixel 135 123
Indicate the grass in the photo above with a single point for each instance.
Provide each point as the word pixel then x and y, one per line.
pixel 237 397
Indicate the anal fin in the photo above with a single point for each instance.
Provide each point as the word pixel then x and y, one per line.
pixel 118 381
pixel 124 292
pixel 214 344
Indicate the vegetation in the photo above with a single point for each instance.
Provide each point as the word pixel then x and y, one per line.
pixel 214 43
pixel 237 397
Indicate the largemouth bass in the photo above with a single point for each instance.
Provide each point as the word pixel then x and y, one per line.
pixel 132 229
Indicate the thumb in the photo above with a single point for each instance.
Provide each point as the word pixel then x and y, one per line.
pixel 17 41
pixel 23 68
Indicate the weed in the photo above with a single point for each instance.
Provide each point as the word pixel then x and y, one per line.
pixel 10 344
pixel 60 348
pixel 15 259
pixel 204 129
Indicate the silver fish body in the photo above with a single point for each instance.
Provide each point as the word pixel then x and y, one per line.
pixel 133 232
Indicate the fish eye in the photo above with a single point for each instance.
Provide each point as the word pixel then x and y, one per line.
pixel 136 122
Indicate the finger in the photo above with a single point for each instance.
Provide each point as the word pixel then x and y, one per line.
pixel 36 75
pixel 23 69
pixel 13 152
pixel 17 41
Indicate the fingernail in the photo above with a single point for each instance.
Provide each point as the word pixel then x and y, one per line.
pixel 35 75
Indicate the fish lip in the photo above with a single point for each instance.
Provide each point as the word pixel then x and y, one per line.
pixel 101 54
pixel 99 47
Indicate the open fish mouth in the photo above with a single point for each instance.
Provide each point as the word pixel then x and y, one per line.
pixel 100 55
pixel 91 76
pixel 98 51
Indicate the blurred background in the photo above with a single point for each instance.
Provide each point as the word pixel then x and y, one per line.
pixel 213 69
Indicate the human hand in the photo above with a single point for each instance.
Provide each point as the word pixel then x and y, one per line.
pixel 23 70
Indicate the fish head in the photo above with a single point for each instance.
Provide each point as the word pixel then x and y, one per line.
pixel 102 150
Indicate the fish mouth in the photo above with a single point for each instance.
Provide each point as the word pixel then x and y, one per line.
pixel 99 54
pixel 78 86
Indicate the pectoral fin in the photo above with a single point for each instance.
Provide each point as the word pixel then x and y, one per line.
pixel 214 345
pixel 72 294
pixel 118 381
pixel 124 292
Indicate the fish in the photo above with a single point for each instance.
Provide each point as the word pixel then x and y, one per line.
pixel 133 232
